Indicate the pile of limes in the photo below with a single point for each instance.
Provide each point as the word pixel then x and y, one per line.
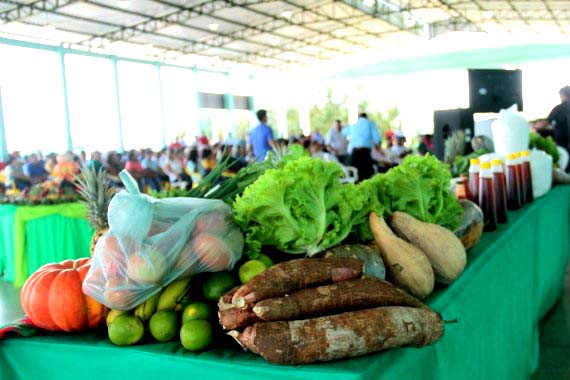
pixel 190 322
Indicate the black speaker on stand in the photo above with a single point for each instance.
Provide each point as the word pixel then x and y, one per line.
pixel 448 121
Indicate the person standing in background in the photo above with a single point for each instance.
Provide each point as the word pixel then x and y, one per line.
pixel 316 136
pixel 151 172
pixel 363 137
pixel 261 137
pixel 559 119
pixel 336 142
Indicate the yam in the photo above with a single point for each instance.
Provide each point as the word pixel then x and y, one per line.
pixel 443 249
pixel 408 267
pixel 344 335
pixel 332 299
pixel 289 276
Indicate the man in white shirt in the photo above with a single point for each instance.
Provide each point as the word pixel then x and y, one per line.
pixel 336 142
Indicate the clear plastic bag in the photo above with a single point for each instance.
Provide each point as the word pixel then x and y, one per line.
pixel 152 242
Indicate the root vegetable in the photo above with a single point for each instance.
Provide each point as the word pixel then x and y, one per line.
pixel 340 336
pixel 235 318
pixel 408 267
pixel 288 276
pixel 443 249
pixel 332 299
pixel 373 264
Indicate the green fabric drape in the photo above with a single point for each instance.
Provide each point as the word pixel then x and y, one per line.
pixel 513 277
pixel 7 215
pixel 36 235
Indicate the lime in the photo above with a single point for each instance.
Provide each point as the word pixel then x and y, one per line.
pixel 114 314
pixel 196 310
pixel 217 285
pixel 196 335
pixel 163 325
pixel 250 269
pixel 266 260
pixel 126 330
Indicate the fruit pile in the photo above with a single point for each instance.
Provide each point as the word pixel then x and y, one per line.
pixel 183 310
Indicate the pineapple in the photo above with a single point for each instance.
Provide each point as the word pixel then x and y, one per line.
pixel 454 146
pixel 96 193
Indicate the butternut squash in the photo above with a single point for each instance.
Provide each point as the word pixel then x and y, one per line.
pixel 407 266
pixel 443 249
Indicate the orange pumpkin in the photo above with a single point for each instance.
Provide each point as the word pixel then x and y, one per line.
pixel 53 299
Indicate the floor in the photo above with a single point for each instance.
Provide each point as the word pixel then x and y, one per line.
pixel 554 342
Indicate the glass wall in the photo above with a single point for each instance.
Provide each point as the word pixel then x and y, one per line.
pixel 139 90
pixel 92 103
pixel 32 98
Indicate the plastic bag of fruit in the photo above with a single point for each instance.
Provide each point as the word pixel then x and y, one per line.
pixel 152 242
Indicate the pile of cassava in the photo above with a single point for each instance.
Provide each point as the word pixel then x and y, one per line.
pixel 308 310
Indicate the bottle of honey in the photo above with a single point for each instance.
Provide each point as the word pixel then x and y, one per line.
pixel 513 183
pixel 500 187
pixel 473 185
pixel 526 175
pixel 518 169
pixel 487 197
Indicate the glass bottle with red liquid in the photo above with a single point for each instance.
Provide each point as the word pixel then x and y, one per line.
pixel 473 185
pixel 526 175
pixel 513 183
pixel 487 197
pixel 519 170
pixel 500 186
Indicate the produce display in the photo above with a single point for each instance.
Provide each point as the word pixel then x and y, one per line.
pixel 45 193
pixel 330 270
pixel 347 317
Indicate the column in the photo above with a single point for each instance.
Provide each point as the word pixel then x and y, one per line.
pixel 162 118
pixel 3 146
pixel 118 105
pixel 305 118
pixel 65 99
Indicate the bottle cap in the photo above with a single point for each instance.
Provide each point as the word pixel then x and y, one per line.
pixel 518 154
pixel 511 156
pixel 485 165
pixel 474 161
pixel 525 153
pixel 496 162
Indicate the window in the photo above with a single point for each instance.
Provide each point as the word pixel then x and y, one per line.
pixel 92 103
pixel 139 92
pixel 180 103
pixel 32 98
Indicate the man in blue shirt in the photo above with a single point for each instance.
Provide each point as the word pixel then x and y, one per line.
pixel 35 170
pixel 261 137
pixel 363 137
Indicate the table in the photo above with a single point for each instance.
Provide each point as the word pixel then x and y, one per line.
pixel 513 277
pixel 31 236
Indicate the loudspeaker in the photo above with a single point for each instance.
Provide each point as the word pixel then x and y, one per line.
pixel 448 121
pixel 493 90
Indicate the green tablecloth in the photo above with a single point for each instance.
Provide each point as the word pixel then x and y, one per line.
pixel 35 235
pixel 513 277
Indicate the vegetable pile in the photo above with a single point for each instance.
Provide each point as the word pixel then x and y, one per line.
pixel 546 144
pixel 302 208
pixel 348 315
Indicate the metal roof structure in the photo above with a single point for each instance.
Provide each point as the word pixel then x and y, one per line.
pixel 276 34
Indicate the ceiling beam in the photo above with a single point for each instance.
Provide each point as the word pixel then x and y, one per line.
pixel 21 11
pixel 554 18
pixel 247 31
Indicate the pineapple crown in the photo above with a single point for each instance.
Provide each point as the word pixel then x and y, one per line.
pixel 96 193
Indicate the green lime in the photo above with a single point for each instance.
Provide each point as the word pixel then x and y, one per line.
pixel 266 260
pixel 126 330
pixel 217 285
pixel 114 314
pixel 196 310
pixel 250 269
pixel 163 325
pixel 196 335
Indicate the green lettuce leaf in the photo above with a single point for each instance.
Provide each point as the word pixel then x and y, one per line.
pixel 300 208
